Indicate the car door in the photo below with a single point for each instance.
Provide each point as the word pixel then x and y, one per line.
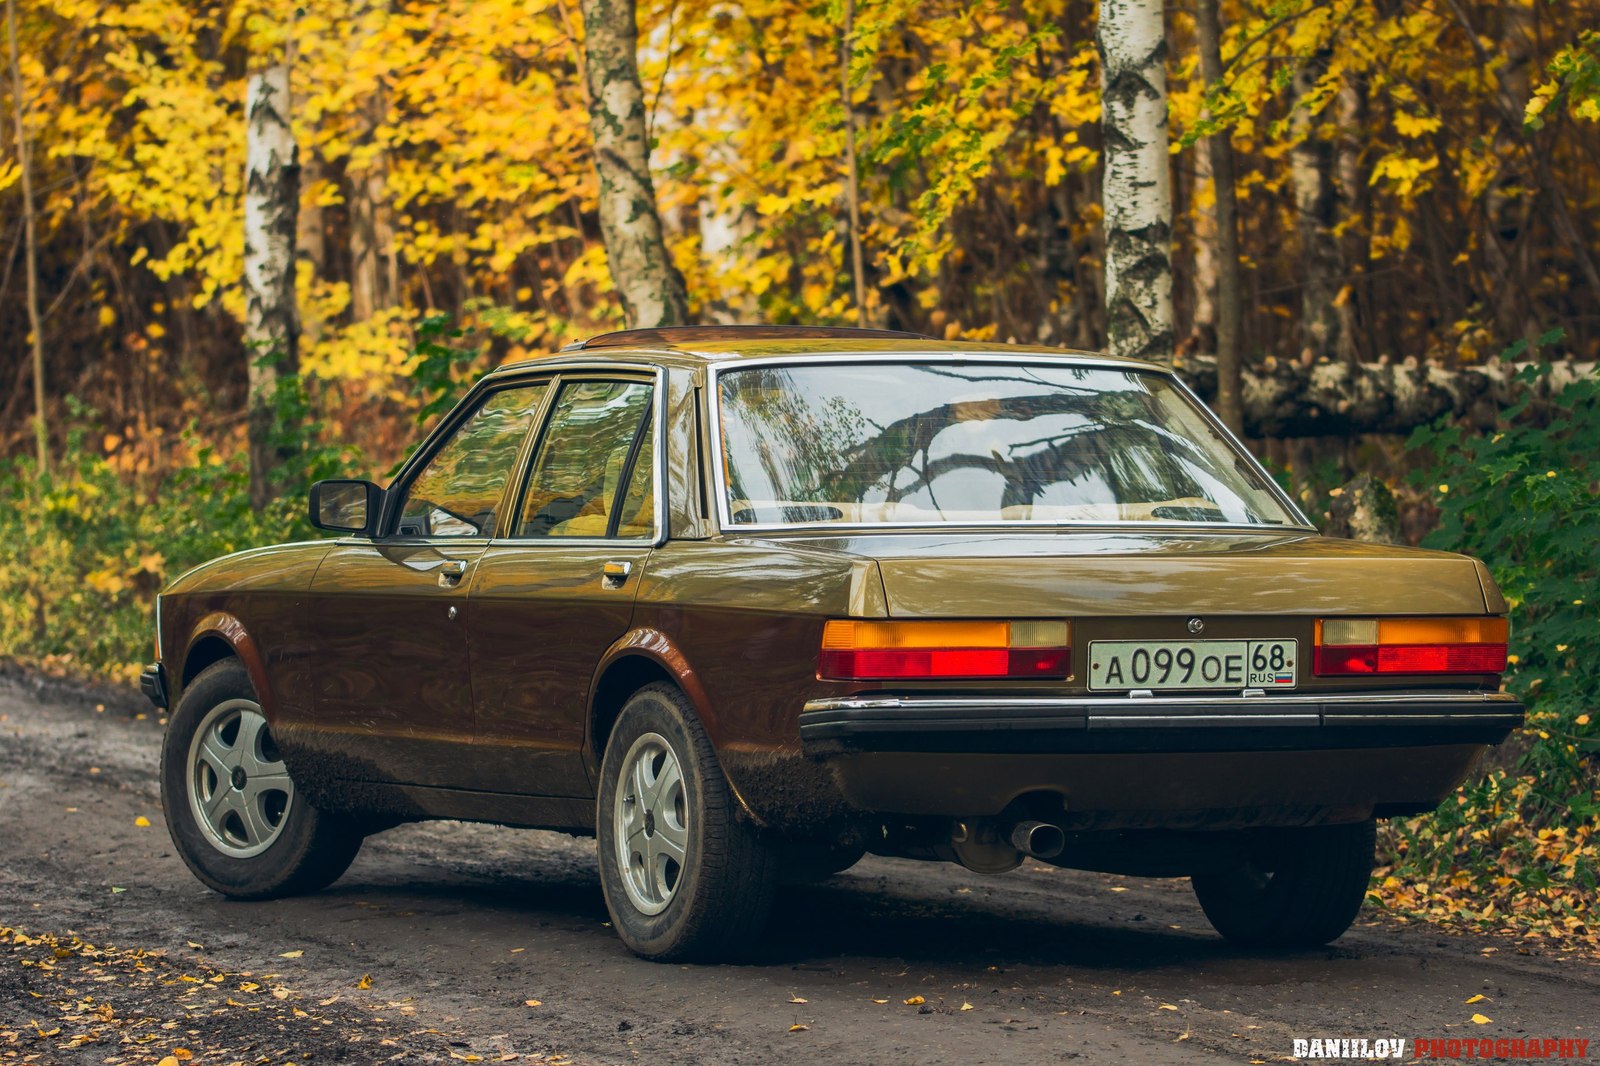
pixel 392 685
pixel 558 591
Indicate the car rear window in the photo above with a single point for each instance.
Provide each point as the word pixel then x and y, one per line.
pixel 930 443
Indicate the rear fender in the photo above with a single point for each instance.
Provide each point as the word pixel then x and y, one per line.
pixel 657 648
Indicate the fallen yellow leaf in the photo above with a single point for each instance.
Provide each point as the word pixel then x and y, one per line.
pixel 915 1001
pixel 880 1001
pixel 182 1053
pixel 965 1005
pixel 798 999
pixel 365 982
pixel 1479 1019
pixel 533 1003
pixel 170 1060
pixel 1168 1006
pixel 196 946
pixel 1477 999
pixel 798 1028
pixel 142 822
pixel 291 954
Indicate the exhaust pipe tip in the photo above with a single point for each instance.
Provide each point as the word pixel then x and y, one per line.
pixel 1039 839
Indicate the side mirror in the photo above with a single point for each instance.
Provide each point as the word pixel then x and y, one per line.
pixel 346 506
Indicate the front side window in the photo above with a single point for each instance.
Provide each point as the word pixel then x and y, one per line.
pixel 458 492
pixel 953 443
pixel 592 476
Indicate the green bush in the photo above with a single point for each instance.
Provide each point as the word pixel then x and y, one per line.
pixel 85 547
pixel 1519 843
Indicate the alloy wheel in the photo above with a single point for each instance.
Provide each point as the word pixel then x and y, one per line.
pixel 652 824
pixel 239 789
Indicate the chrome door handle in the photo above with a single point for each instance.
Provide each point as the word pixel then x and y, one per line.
pixel 615 574
pixel 451 571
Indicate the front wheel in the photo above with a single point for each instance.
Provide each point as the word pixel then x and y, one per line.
pixel 1302 892
pixel 684 876
pixel 231 806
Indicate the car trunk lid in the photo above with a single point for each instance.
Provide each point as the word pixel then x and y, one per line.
pixel 1096 573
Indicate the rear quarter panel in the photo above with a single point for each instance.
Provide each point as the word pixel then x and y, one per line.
pixel 740 624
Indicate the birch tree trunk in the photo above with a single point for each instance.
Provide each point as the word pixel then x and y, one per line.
pixel 1316 203
pixel 371 235
pixel 371 228
pixel 852 185
pixel 648 284
pixel 1137 193
pixel 1229 301
pixel 30 252
pixel 271 329
pixel 1202 332
pixel 1356 197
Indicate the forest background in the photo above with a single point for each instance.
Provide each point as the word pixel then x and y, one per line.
pixel 1417 296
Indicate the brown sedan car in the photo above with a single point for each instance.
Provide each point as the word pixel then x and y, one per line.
pixel 749 602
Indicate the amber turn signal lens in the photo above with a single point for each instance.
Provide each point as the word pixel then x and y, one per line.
pixel 881 651
pixel 1354 646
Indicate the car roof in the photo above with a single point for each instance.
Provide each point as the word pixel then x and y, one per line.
pixel 699 346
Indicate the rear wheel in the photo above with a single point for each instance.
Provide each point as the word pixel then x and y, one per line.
pixel 231 806
pixel 1302 892
pixel 684 877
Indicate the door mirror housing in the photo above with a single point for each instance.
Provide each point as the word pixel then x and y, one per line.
pixel 342 506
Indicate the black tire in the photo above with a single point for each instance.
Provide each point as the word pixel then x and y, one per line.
pixel 712 905
pixel 1301 892
pixel 303 850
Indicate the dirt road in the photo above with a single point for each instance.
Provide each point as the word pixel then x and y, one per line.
pixel 454 929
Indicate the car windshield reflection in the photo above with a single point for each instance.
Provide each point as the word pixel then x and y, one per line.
pixel 936 443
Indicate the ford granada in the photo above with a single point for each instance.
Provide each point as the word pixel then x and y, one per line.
pixel 747 603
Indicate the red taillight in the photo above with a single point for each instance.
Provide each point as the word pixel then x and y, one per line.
pixel 1348 646
pixel 904 651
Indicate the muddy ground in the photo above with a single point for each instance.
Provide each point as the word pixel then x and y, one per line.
pixel 450 942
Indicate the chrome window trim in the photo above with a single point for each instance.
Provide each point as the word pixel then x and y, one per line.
pixel 658 447
pixel 719 479
pixel 396 492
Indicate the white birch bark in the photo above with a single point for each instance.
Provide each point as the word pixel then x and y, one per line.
pixel 1137 193
pixel 271 202
pixel 648 284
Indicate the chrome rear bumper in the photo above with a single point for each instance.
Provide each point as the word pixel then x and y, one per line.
pixel 1029 724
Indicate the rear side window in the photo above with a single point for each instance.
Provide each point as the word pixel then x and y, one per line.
pixel 457 494
pixel 592 476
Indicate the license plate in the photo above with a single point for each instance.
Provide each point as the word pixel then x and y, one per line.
pixel 1192 664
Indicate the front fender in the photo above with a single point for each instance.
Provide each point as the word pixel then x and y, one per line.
pixel 228 628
